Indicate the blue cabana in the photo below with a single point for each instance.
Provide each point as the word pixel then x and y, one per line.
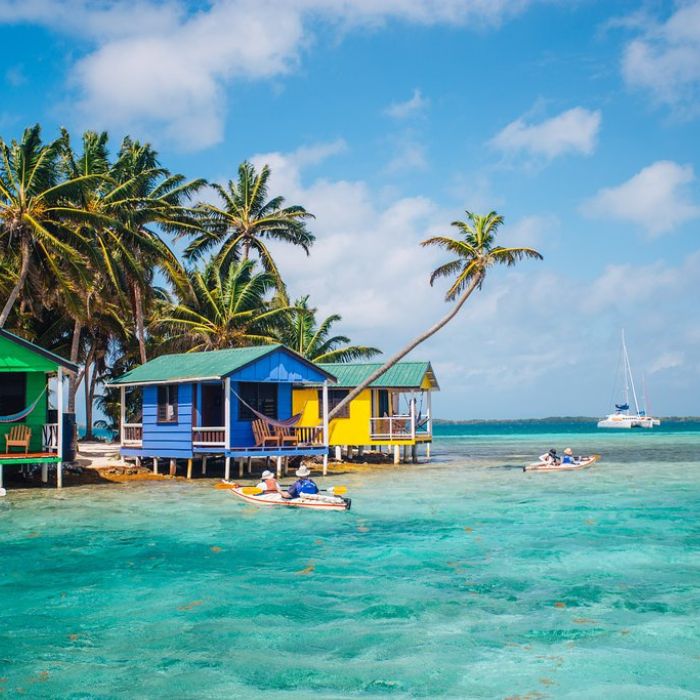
pixel 236 403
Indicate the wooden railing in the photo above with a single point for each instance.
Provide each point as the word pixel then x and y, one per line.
pixel 308 435
pixel 49 436
pixel 392 428
pixel 209 437
pixel 132 435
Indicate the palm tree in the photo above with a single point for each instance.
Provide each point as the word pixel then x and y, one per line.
pixel 301 333
pixel 226 308
pixel 38 223
pixel 150 196
pixel 246 220
pixel 474 253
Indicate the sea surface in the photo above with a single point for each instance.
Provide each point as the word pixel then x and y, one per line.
pixel 463 578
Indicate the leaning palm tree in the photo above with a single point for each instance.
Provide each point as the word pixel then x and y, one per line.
pixel 226 308
pixel 246 220
pixel 474 253
pixel 301 332
pixel 38 222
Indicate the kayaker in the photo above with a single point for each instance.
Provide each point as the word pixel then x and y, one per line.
pixel 268 483
pixel 568 457
pixel 302 485
pixel 550 457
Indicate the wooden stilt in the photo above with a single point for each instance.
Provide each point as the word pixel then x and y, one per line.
pixel 155 465
pixel 350 452
pixel 405 454
pixel 361 451
pixel 189 468
pixel 397 454
pixel 338 453
pixel 286 466
pixel 325 464
pixel 138 461
pixel 204 465
pixel 0 476
pixel 250 465
pixel 173 467
pixel 45 472
pixel 241 465
pixel 414 453
pixel 227 469
pixel 427 451
pixel 279 467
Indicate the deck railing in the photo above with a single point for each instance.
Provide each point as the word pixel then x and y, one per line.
pixel 133 435
pixel 49 436
pixel 209 437
pixel 400 427
pixel 308 435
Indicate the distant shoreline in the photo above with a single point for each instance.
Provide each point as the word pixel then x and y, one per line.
pixel 551 419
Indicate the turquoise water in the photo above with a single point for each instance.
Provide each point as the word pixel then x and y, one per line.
pixel 574 585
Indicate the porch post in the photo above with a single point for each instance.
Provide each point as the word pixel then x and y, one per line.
pixel 227 427
pixel 59 442
pixel 122 414
pixel 430 412
pixel 325 426
pixel 413 419
pixel 227 469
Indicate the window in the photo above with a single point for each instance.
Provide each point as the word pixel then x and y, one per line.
pixel 335 396
pixel 13 392
pixel 167 403
pixel 262 397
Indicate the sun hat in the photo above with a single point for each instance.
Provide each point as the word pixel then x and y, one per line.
pixel 303 471
pixel 552 451
pixel 568 451
pixel 267 474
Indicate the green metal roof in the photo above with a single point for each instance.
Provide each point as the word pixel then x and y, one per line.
pixel 19 355
pixel 189 366
pixel 403 375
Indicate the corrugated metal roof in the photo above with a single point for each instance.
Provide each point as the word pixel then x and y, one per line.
pixel 213 364
pixel 403 375
pixel 29 357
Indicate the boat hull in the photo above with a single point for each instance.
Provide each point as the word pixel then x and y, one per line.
pixel 309 501
pixel 544 467
pixel 625 422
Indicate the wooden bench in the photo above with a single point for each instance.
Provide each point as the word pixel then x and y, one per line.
pixel 263 435
pixel 19 436
pixel 287 436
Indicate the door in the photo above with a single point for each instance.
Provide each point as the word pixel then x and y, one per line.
pixel 212 408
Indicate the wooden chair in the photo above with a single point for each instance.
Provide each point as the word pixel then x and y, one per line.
pixel 19 436
pixel 287 436
pixel 263 435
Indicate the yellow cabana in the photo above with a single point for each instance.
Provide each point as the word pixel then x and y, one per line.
pixel 394 412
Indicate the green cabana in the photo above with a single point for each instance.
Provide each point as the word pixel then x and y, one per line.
pixel 26 435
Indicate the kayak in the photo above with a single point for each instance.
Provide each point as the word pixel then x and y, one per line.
pixel 583 463
pixel 315 501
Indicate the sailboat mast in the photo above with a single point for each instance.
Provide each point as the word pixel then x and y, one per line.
pixel 628 374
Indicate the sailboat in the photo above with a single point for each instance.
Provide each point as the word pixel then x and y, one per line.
pixel 623 417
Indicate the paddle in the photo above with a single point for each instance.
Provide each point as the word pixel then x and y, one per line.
pixel 255 491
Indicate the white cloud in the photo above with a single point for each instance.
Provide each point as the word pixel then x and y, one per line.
pixel 573 131
pixel 656 199
pixel 409 157
pixel 665 60
pixel 155 65
pixel 667 360
pixel 402 110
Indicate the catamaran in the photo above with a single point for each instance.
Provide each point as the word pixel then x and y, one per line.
pixel 623 417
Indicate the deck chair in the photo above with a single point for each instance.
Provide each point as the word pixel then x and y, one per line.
pixel 287 436
pixel 19 436
pixel 263 435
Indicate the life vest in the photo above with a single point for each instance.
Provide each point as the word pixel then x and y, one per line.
pixel 270 485
pixel 306 486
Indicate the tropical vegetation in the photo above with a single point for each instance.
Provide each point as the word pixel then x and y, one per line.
pixel 90 268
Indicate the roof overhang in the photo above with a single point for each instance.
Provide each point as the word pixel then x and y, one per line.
pixel 46 354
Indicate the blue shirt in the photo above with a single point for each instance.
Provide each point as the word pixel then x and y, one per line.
pixel 302 486
pixel 567 459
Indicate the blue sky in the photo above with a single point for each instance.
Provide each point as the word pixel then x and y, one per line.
pixel 576 120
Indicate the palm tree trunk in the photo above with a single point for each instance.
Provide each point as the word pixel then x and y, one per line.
pixel 413 344
pixel 140 330
pixel 23 271
pixel 90 402
pixel 74 379
pixel 86 376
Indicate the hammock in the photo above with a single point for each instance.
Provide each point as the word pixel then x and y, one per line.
pixel 17 417
pixel 286 423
